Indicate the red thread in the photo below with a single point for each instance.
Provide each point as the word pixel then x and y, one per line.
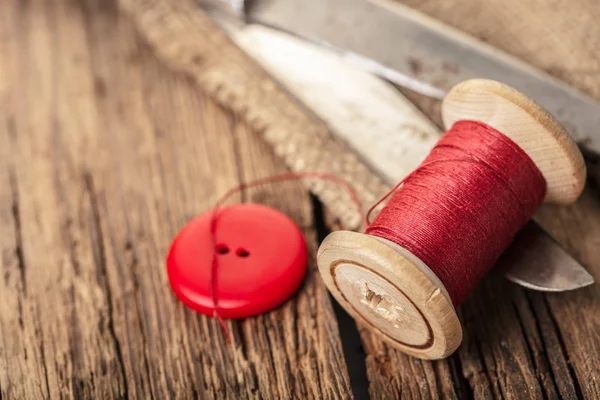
pixel 456 212
pixel 258 182
pixel 463 205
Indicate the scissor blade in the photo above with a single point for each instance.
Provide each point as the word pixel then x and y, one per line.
pixel 417 52
pixel 387 132
pixel 526 263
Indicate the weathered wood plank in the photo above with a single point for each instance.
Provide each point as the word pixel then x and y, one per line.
pixel 106 154
pixel 99 145
pixel 514 345
pixel 63 296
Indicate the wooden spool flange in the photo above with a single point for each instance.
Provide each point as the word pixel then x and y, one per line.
pixel 389 289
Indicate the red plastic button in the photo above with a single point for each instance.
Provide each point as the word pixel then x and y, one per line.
pixel 261 261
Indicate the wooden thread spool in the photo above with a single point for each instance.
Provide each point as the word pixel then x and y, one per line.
pixel 388 288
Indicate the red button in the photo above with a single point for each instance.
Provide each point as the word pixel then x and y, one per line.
pixel 261 261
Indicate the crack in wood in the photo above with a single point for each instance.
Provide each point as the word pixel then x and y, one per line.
pixel 145 342
pixel 545 346
pixel 273 345
pixel 295 319
pixel 71 245
pixel 496 387
pixel 474 369
pixel 20 311
pixel 129 248
pixel 75 354
pixel 96 237
pixel 196 358
pixel 43 357
pixel 16 214
pixel 563 348
pixel 352 346
pixel 241 339
pixel 68 237
pixel 459 380
pixel 531 352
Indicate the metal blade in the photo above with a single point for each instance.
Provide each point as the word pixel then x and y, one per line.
pixel 527 263
pixel 417 52
pixel 388 133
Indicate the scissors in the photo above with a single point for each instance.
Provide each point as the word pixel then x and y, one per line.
pixel 338 64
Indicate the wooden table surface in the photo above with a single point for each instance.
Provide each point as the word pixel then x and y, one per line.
pixel 105 153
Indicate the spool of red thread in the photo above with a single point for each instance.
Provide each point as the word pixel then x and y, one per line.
pixel 404 277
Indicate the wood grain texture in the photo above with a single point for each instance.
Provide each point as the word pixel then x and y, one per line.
pixel 105 154
pixel 103 157
pixel 516 345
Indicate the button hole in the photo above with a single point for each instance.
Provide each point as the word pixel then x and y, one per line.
pixel 222 249
pixel 242 253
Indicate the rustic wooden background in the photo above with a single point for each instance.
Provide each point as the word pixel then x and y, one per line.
pixel 105 153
